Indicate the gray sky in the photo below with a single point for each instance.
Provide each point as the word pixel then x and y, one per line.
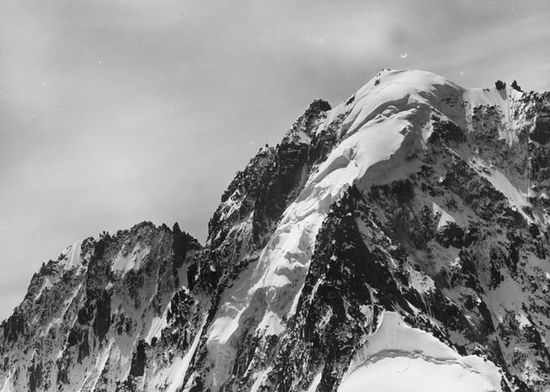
pixel 115 112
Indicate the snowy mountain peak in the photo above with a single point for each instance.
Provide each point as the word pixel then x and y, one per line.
pixel 399 238
pixel 412 88
pixel 400 83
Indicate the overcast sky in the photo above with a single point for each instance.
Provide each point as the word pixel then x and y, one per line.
pixel 115 112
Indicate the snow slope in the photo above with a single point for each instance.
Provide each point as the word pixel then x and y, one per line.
pixel 276 279
pixel 399 358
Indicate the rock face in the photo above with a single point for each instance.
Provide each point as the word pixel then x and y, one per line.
pixel 398 239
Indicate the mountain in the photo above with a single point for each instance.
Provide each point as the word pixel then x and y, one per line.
pixel 398 241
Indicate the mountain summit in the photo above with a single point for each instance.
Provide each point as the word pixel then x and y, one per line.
pixel 398 241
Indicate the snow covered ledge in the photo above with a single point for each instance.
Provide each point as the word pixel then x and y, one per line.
pixel 398 357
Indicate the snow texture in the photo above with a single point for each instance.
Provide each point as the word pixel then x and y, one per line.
pixel 399 358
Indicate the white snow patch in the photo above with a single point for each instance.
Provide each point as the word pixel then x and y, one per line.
pixel 315 382
pixel 522 319
pixel 398 358
pixel 260 378
pixel 501 99
pixel 415 374
pixel 503 184
pixel 223 327
pixel 100 362
pixel 71 255
pixel 420 281
pixel 157 325
pixel 272 324
pixel 231 205
pixel 444 216
pixel 123 263
pixel 179 368
pixel 301 137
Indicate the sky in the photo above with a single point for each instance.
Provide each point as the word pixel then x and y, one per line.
pixel 115 112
